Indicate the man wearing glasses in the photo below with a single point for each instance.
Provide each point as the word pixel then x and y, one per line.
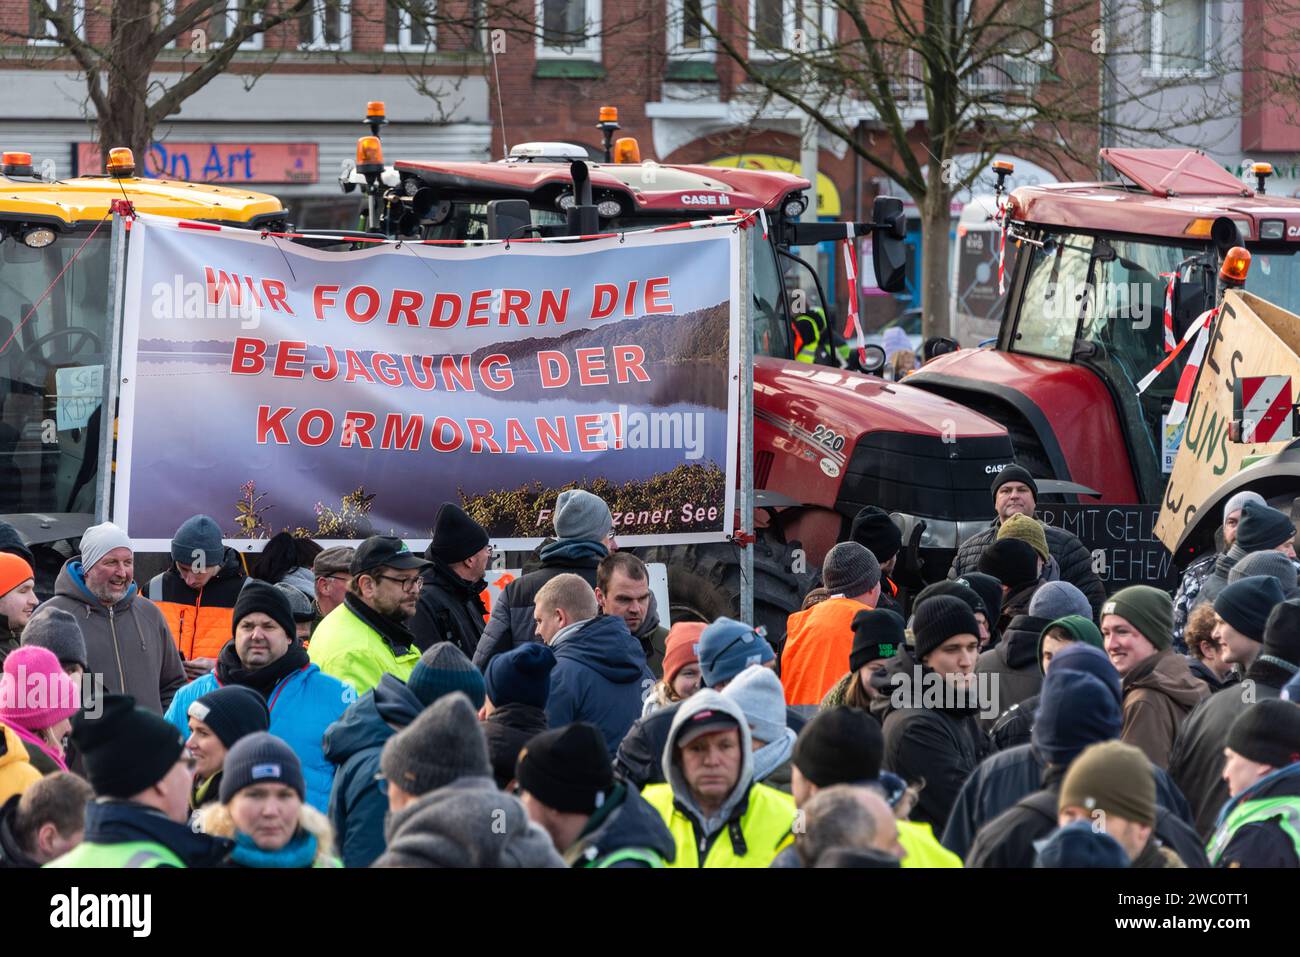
pixel 332 577
pixel 366 636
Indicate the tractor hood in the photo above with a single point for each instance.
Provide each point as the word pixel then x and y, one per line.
pixel 1060 413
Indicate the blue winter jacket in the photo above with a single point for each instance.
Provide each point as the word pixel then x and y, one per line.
pixel 600 676
pixel 303 705
pixel 353 744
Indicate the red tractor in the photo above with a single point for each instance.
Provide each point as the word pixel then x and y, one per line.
pixel 1085 305
pixel 829 437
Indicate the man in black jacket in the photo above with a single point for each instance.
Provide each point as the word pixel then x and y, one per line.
pixel 930 729
pixel 1015 492
pixel 584 529
pixel 1196 761
pixel 450 608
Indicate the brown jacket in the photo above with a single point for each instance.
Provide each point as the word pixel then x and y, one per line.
pixel 1158 696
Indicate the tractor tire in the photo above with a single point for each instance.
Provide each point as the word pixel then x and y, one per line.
pixel 704 583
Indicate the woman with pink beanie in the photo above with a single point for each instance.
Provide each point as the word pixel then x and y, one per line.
pixel 36 700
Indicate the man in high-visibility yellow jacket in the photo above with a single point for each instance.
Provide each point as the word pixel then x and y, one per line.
pixel 718 814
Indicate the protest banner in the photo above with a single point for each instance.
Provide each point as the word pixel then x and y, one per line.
pixel 1122 539
pixel 1251 337
pixel 275 386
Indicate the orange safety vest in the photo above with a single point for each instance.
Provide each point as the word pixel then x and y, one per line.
pixel 817 647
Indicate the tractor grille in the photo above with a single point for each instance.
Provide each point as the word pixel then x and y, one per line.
pixel 924 475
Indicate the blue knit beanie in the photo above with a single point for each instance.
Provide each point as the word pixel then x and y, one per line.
pixel 520 676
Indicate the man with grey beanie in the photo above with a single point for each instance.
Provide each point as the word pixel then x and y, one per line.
pixel 58 631
pixel 445 807
pixel 127 638
pixel 1013 663
pixel 819 640
pixel 584 534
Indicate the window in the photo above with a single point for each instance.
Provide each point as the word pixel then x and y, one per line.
pixel 1049 309
pixel 326 25
pixel 688 27
pixel 41 31
pixel 1181 39
pixel 568 27
pixel 222 26
pixel 771 325
pixel 797 26
pixel 408 25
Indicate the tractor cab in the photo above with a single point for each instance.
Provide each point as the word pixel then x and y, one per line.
pixel 54 322
pixel 1097 268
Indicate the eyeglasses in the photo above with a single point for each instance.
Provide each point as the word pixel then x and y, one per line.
pixel 406 584
pixel 334 578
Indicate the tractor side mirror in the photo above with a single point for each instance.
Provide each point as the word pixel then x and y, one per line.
pixel 506 218
pixel 888 251
pixel 873 359
pixel 1191 298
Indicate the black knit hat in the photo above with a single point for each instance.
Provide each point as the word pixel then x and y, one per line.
pixel 260 758
pixel 232 712
pixel 126 749
pixel 1014 473
pixel 1246 603
pixel 258 596
pixel 456 536
pixel 958 589
pixel 839 746
pixel 1011 561
pixel 937 619
pixel 876 634
pixel 568 769
pixel 1282 636
pixel 989 589
pixel 1261 528
pixel 875 530
pixel 1268 733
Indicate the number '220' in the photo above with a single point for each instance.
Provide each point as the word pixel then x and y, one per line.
pixel 824 436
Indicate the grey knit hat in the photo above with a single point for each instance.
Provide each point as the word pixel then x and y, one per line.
pixel 850 569
pixel 299 603
pixel 57 630
pixel 581 516
pixel 1057 599
pixel 1237 501
pixel 441 745
pixel 1270 563
pixel 198 537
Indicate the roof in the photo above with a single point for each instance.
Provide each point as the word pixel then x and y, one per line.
pixel 1174 188
pixel 89 199
pixel 652 187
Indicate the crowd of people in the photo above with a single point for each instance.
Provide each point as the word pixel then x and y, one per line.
pixel 362 707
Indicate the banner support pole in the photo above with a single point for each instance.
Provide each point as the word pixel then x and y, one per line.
pixel 112 367
pixel 746 536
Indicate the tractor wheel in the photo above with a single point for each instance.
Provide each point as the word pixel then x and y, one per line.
pixel 704 583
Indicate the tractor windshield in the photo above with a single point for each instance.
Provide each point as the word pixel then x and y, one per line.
pixel 51 372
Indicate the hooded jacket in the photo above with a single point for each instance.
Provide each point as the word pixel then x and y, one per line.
pixel 1074 560
pixel 640 756
pixel 1203 672
pixel 941 745
pixel 1004 778
pixel 467 823
pixel 1196 759
pixel 1260 827
pixel 450 609
pixel 507 730
pixel 129 644
pixel 303 705
pixel 600 676
pixel 353 745
pixel 1014 662
pixel 199 619
pixel 125 834
pixel 754 823
pixel 512 623
pixel 818 642
pixel 17 773
pixel 625 831
pixel 1159 694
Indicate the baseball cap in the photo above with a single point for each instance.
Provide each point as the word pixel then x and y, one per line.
pixel 383 550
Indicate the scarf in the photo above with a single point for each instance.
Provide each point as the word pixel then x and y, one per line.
pixel 397 635
pixel 46 749
pixel 772 755
pixel 231 671
pixel 572 550
pixel 299 852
